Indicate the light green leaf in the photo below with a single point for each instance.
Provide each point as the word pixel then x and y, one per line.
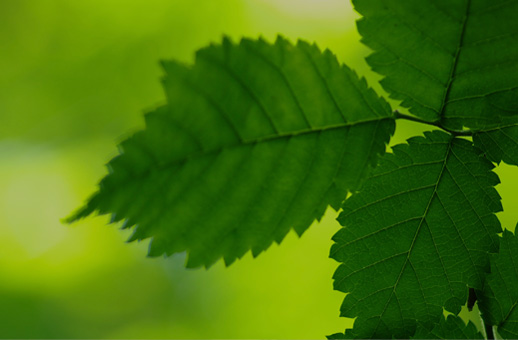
pixel 500 143
pixel 416 235
pixel 499 298
pixel 255 139
pixel 452 327
pixel 449 61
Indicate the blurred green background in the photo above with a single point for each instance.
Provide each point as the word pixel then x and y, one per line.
pixel 76 77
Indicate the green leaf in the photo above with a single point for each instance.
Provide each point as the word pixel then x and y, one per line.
pixel 451 328
pixel 500 143
pixel 449 61
pixel 255 139
pixel 339 336
pixel 500 295
pixel 416 235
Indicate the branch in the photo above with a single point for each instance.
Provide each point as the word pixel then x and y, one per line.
pixel 399 115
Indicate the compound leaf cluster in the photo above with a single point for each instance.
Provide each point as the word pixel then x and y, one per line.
pixel 257 139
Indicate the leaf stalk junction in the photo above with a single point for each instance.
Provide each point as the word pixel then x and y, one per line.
pixel 399 115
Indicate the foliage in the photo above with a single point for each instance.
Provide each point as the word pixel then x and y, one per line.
pixel 451 327
pixel 439 57
pixel 428 209
pixel 233 164
pixel 257 139
pixel 499 297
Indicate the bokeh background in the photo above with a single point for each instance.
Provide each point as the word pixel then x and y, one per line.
pixel 75 78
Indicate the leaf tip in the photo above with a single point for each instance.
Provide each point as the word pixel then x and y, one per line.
pixel 77 215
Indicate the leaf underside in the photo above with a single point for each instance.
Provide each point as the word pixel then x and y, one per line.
pixel 499 299
pixel 255 139
pixel 452 327
pixel 449 61
pixel 416 235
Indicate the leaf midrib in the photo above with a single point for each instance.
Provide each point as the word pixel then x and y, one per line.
pixel 269 138
pixel 439 178
pixel 455 63
pixel 165 165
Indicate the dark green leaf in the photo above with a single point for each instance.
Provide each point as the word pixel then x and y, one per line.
pixel 449 61
pixel 255 139
pixel 416 235
pixel 339 336
pixel 451 328
pixel 500 295
pixel 500 143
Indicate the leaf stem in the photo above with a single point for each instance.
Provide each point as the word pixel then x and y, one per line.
pixel 399 115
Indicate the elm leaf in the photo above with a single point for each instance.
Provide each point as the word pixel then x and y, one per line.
pixel 255 140
pixel 452 62
pixel 499 143
pixel 452 327
pixel 416 236
pixel 499 297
